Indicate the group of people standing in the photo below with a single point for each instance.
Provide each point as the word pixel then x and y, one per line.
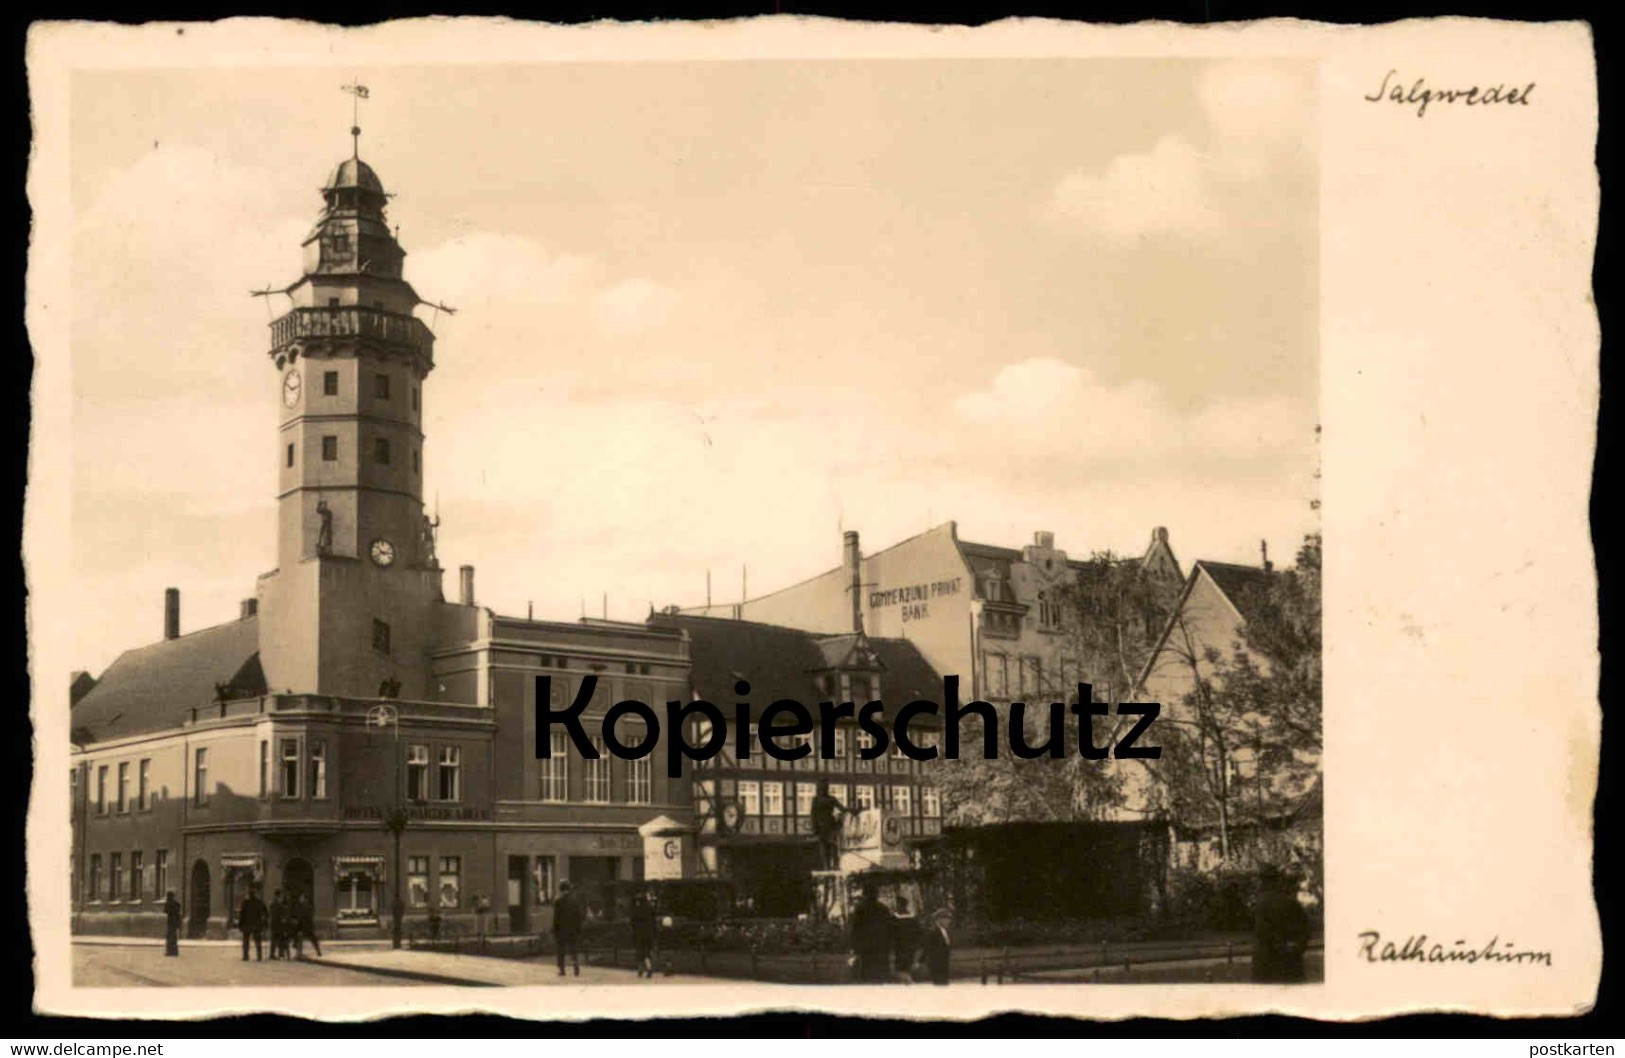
pixel 892 945
pixel 570 915
pixel 291 920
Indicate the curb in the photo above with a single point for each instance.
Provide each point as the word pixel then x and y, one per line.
pixel 406 975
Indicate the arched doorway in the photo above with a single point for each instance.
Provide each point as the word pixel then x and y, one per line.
pixel 299 880
pixel 198 900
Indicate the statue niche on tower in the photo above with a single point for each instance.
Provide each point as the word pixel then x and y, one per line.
pixel 426 542
pixel 324 529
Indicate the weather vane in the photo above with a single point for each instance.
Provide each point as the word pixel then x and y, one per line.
pixel 358 92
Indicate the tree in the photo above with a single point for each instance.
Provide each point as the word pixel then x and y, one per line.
pixel 1108 613
pixel 1253 706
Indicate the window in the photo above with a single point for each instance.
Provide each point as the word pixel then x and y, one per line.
pixel 417 463
pixel 289 755
pixel 143 782
pixel 290 453
pixel 839 791
pixel 160 874
pixel 750 797
pixel 545 875
pixel 380 387
pixel 864 797
pixel 417 880
pixel 200 778
pixel 380 636
pixel 414 398
pixel 265 769
pixel 902 800
pixel 805 792
pixel 772 799
pixel 101 790
pixel 417 773
pixel 450 773
pixel 451 880
pixel 357 896
pixel 640 772
pixel 930 802
pixel 330 383
pixel 555 772
pixel 598 772
pixel 1001 676
pixel 318 769
pixel 93 881
pixel 862 741
pixel 115 875
pixel 840 762
pixel 1049 612
pixel 330 448
pixel 123 786
pixel 380 450
pixel 135 876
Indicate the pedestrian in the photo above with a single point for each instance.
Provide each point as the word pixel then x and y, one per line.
pixel 251 921
pixel 643 934
pixel 304 925
pixel 279 925
pixel 905 940
pixel 1280 929
pixel 872 933
pixel 936 947
pixel 172 924
pixel 567 920
pixel 827 813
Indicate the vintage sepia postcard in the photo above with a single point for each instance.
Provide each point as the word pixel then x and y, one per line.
pixel 626 520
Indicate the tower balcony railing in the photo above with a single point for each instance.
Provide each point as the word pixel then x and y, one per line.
pixel 351 321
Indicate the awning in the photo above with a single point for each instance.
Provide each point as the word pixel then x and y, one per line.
pixel 373 865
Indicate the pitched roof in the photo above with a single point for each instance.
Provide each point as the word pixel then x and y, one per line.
pixel 1246 587
pixel 780 662
pixel 150 688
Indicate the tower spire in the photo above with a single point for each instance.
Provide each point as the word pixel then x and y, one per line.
pixel 358 92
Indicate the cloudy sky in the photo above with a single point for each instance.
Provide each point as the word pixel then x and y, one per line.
pixel 708 314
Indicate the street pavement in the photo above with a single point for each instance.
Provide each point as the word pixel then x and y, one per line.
pixel 106 964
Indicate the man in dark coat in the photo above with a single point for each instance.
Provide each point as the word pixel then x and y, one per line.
pixel 643 934
pixel 567 919
pixel 172 924
pixel 905 939
pixel 873 930
pixel 251 918
pixel 1280 929
pixel 936 946
pixel 303 925
pixel 827 813
pixel 279 925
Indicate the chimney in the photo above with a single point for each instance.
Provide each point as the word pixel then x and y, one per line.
pixel 1159 535
pixel 1044 540
pixel 172 613
pixel 1264 555
pixel 852 563
pixel 465 578
pixel 251 607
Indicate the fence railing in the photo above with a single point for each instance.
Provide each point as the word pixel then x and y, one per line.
pixel 350 321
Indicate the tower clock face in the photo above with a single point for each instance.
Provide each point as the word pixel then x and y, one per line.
pixel 383 552
pixel 292 385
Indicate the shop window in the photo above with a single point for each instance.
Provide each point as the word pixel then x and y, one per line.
pixel 544 875
pixel 451 880
pixel 357 896
pixel 417 880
